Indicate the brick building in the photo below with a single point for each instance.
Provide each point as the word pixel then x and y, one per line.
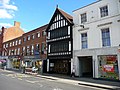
pixel 7 34
pixel 1 40
pixel 29 47
pixel 12 32
pixel 12 51
pixel 34 47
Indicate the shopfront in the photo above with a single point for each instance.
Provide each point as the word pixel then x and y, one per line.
pixel 31 61
pixel 60 66
pixel 108 67
pixel 14 61
pixel 103 63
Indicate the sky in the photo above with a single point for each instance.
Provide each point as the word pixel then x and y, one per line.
pixel 35 13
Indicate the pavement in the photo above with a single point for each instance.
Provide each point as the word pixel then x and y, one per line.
pixel 105 84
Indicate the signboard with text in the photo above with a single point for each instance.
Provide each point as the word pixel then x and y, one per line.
pixel 108 68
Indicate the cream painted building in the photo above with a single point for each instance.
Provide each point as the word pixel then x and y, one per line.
pixel 96 40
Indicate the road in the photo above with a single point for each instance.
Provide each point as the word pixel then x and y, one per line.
pixel 16 81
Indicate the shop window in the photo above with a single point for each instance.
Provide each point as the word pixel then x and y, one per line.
pixel 108 67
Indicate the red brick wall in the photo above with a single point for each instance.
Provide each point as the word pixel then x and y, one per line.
pixel 36 40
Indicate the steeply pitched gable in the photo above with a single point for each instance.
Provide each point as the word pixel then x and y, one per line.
pixel 66 16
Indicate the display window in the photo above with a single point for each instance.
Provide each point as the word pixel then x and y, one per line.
pixel 108 67
pixel 16 64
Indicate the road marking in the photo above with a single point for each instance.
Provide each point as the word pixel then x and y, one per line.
pixel 9 75
pixel 57 89
pixel 13 77
pixel 19 78
pixel 31 81
pixel 40 85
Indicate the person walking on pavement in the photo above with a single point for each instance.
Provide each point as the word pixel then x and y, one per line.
pixel 23 68
pixel 73 72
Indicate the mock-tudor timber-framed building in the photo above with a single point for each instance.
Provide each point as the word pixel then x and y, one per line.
pixel 59 43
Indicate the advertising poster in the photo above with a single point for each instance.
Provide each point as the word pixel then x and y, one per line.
pixel 108 66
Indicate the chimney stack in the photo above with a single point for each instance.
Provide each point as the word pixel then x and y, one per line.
pixel 16 24
pixel 3 29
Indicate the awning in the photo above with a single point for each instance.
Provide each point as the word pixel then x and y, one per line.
pixel 3 61
pixel 32 60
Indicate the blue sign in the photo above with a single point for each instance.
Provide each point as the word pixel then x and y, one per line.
pixel 36 54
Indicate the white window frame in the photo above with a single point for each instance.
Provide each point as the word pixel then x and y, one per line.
pixel 84 40
pixel 18 52
pixel 104 12
pixel 16 42
pixel 28 38
pixel 105 42
pixel 20 41
pixel 83 17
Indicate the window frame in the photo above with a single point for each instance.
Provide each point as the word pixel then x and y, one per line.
pixel 83 17
pixel 104 11
pixel 105 33
pixel 84 40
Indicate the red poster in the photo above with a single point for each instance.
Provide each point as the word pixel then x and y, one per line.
pixel 108 68
pixel 111 58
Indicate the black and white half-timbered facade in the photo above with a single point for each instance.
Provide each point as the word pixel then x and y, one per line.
pixel 59 43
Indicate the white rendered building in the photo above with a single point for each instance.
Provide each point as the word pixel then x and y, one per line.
pixel 96 40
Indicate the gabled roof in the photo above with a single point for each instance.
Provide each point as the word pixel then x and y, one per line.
pixel 68 17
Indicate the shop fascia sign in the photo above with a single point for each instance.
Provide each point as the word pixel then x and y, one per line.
pixel 12 57
pixel 29 57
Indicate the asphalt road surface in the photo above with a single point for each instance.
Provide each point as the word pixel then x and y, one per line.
pixel 16 81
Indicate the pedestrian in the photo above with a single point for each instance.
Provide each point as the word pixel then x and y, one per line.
pixel 23 68
pixel 73 72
